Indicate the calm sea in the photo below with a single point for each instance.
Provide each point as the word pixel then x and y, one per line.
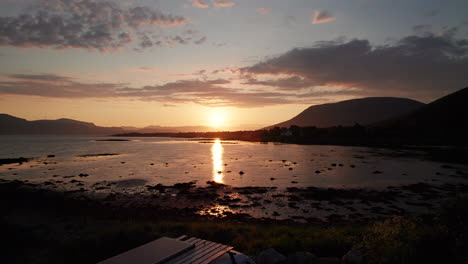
pixel 145 161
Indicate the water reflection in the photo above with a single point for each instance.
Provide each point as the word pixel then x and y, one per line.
pixel 217 157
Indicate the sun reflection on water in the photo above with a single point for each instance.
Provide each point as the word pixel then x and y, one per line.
pixel 217 157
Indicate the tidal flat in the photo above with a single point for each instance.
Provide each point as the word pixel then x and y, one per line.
pixel 217 178
pixel 67 194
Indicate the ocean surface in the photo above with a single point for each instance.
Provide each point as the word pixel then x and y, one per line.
pixel 149 161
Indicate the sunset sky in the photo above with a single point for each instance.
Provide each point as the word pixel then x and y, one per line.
pixel 222 62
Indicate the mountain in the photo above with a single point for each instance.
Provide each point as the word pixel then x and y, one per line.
pixel 163 129
pixel 10 125
pixel 445 117
pixel 363 111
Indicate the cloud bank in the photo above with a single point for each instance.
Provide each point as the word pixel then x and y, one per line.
pixel 88 24
pixel 421 66
pixel 208 92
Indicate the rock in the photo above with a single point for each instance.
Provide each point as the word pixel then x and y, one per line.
pixel 329 260
pixel 241 172
pixel 302 258
pixel 51 156
pixel 270 256
pixel 353 257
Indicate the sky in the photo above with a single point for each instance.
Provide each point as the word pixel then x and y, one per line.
pixel 223 63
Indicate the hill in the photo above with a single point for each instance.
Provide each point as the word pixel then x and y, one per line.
pixel 10 125
pixel 445 117
pixel 363 111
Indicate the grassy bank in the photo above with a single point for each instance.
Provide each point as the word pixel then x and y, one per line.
pixel 51 227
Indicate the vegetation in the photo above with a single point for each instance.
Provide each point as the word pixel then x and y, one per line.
pixel 48 227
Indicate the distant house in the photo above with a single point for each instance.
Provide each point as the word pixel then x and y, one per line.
pixel 287 133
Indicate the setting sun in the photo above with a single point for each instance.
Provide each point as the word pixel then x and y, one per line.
pixel 217 119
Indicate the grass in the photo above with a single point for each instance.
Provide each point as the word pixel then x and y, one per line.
pixel 48 227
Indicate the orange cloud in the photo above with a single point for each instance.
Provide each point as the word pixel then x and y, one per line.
pixel 220 3
pixel 199 4
pixel 322 16
pixel 263 10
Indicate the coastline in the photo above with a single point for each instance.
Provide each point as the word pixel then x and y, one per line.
pixel 50 226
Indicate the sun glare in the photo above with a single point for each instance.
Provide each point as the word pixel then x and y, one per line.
pixel 217 120
pixel 217 157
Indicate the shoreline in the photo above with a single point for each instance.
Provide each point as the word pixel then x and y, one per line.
pixel 46 226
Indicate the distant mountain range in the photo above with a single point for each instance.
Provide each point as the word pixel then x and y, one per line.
pixel 10 125
pixel 388 116
pixel 364 111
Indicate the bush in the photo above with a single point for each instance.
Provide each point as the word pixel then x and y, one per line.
pixel 406 240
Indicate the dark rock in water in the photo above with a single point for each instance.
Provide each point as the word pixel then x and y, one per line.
pixel 83 175
pixel 112 139
pixel 293 182
pixel 377 172
pixel 290 168
pixel 333 164
pixel 241 172
pixel 340 165
pixel 272 179
pixel 151 164
pixel 275 214
pixel 352 166
pixel 130 183
pixel 97 155
pixel 184 185
pixel 317 171
pixel 159 187
pixel 51 156
pixel 123 162
pixel 19 160
pixel 214 184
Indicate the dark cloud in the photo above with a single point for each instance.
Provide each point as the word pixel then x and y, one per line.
pixel 322 16
pixel 209 92
pixel 421 29
pixel 200 41
pixel 89 24
pixel 39 77
pixel 287 84
pixel 420 66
